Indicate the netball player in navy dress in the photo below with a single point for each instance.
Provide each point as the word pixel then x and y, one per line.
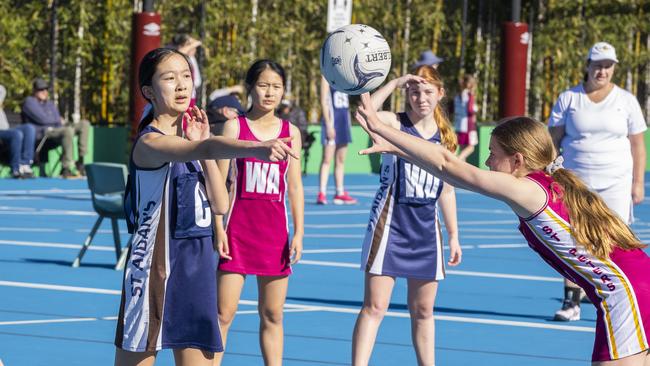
pixel 403 237
pixel 169 291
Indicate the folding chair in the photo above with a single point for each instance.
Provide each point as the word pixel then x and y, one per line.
pixel 107 182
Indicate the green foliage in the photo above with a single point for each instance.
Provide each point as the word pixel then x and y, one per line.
pixel 291 32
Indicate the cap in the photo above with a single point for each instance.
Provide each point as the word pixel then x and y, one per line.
pixel 40 84
pixel 602 51
pixel 428 58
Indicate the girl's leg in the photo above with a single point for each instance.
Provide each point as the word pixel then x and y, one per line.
pixel 229 287
pixel 640 359
pixel 192 356
pixel 128 358
pixel 570 310
pixel 376 299
pixel 339 167
pixel 272 292
pixel 421 298
pixel 328 155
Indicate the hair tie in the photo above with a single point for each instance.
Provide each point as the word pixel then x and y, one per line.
pixel 555 165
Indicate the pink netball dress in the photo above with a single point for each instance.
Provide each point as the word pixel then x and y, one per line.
pixel 256 225
pixel 619 286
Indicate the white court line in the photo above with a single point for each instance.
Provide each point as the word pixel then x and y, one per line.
pixel 344 250
pixel 454 272
pixel 55 245
pixel 335 226
pixel 44 286
pixel 300 307
pixel 29 229
pixel 62 320
pixel 499 246
pixel 336 212
pixel 340 236
pixel 5 210
pixel 108 248
pixel 486 210
pixel 45 191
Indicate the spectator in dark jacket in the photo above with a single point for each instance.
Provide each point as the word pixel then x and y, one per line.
pixel 41 112
pixel 20 141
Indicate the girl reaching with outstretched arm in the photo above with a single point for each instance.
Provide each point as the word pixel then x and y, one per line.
pixel 563 221
pixel 403 237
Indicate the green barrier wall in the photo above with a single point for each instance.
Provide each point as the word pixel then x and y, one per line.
pixel 106 144
pixel 354 163
pixel 110 144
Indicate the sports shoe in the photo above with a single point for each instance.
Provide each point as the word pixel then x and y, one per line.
pixel 26 171
pixel 68 174
pixel 570 312
pixel 321 199
pixel 344 199
pixel 81 168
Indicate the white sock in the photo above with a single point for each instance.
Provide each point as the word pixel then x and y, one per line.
pixel 339 191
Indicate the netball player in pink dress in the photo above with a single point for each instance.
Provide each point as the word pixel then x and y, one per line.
pixel 569 226
pixel 254 237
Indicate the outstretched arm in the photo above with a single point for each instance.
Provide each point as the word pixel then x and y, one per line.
pixel 153 150
pixel 523 195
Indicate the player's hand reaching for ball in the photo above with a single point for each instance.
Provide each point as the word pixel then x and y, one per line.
pixel 369 121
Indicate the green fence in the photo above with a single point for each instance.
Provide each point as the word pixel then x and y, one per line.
pixel 110 144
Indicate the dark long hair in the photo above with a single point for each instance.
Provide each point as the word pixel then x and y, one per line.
pixel 258 67
pixel 148 67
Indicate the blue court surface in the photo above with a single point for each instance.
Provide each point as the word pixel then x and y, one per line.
pixel 494 309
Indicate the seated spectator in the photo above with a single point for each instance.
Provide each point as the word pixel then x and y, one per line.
pixel 41 113
pixel 20 141
pixel 221 109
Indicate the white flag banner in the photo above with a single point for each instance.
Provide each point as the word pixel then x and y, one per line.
pixel 339 13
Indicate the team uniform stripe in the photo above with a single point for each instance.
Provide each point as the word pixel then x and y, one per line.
pixel 440 268
pixel 626 285
pixel 157 281
pixel 119 332
pixel 587 278
pixel 377 234
pixel 632 299
pixel 606 309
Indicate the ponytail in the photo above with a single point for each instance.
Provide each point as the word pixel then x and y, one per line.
pixel 447 135
pixel 595 227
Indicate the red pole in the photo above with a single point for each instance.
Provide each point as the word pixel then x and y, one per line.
pixel 512 85
pixel 146 37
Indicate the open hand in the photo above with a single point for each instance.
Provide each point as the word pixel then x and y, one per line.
pixel 197 128
pixel 369 121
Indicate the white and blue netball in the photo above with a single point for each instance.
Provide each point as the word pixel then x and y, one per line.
pixel 355 59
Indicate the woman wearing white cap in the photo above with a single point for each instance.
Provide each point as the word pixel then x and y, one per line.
pixel 599 129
